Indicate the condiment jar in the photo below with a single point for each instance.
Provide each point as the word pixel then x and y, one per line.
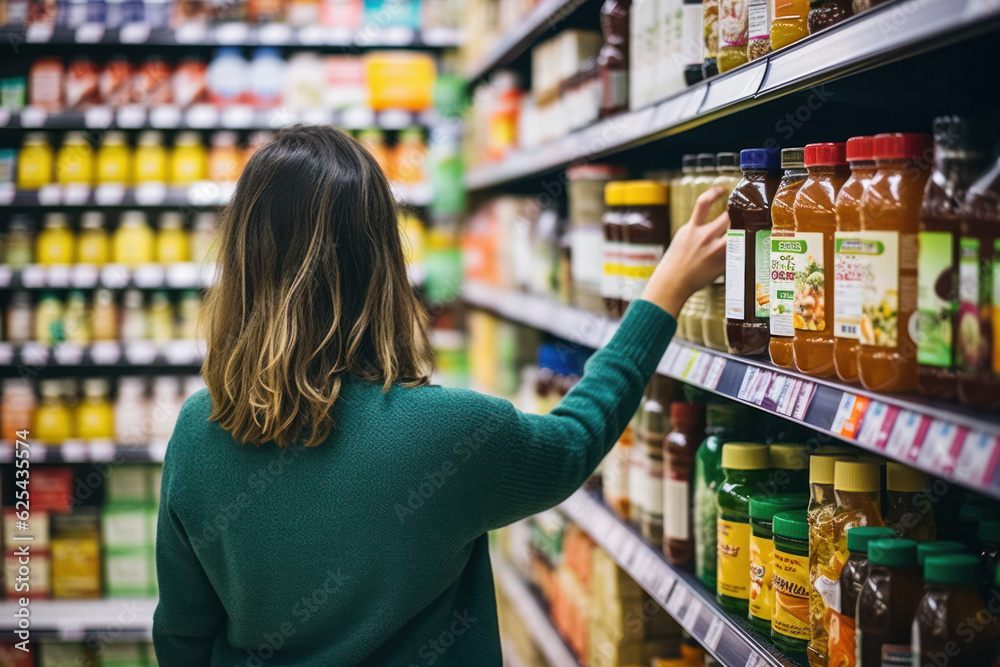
pixel 745 467
pixel 911 511
pixel 679 449
pixel 763 508
pixel 791 581
pixel 887 602
pixel 646 234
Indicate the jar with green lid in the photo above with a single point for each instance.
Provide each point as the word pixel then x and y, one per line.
pixel 789 467
pixel 745 468
pixel 762 511
pixel 724 423
pixel 936 548
pixel 887 602
pixel 789 618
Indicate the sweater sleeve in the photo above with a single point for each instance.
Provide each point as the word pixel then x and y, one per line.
pixel 545 458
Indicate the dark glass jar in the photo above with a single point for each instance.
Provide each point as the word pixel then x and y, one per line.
pixel 825 13
pixel 887 602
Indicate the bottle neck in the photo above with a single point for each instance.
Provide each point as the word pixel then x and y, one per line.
pixel 734 476
pixel 852 499
pixel 826 171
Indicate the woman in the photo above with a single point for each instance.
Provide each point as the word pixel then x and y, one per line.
pixel 322 504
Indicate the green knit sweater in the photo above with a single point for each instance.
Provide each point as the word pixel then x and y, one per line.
pixel 371 548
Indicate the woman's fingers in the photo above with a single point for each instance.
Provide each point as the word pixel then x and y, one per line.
pixel 703 203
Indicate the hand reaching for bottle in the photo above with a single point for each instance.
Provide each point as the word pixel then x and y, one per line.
pixel 696 256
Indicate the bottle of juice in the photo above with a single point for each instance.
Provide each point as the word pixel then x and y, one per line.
pixel 20 325
pixel 744 466
pixel 725 422
pixel 815 225
pixel 842 644
pixel 150 159
pixel 956 166
pixel 17 407
pixel 679 451
pixel 20 249
pixel 133 241
pixel 34 162
pixel 890 220
pixel 202 237
pixel 847 275
pixel 689 320
pixel 95 419
pixel 92 244
pixel 410 156
pixel 172 242
pixel 887 602
pixel 748 252
pixel 733 29
pixel 224 161
pixel 911 512
pixel 681 191
pixel 161 317
pixel 763 508
pixel 979 303
pixel 613 222
pixel 612 61
pixel 790 22
pixel 943 624
pixel 56 242
pixel 49 319
pixel 75 161
pixel 188 311
pixel 135 324
pixel 373 139
pixel 53 420
pixel 782 288
pixel 105 316
pixel 114 160
pixel 76 322
pixel 188 162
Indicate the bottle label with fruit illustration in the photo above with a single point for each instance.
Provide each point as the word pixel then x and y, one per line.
pixel 761 584
pixel 879 255
pixel 790 616
pixel 935 299
pixel 810 282
pixel 971 346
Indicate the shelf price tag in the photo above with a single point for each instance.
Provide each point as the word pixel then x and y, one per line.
pixel 978 458
pixel 33 275
pixel 89 33
pixel 789 393
pixel 134 33
pixel 140 352
pixel 131 117
pixel 7 193
pixel 682 362
pixel 68 354
pixel 34 354
pixel 677 601
pixel 772 396
pixel 151 194
pixel 395 119
pixel 849 415
pixel 231 33
pixel 105 353
pixel 907 435
pixel 275 33
pixel 101 450
pixel 76 194
pixel 33 117
pixel 50 195
pixel 202 116
pixel 804 399
pixel 6 354
pixel 311 35
pixel 109 194
pixel 239 116
pixel 115 276
pixel 759 389
pixel 59 275
pixel 6 275
pixel 941 446
pixel 746 387
pixel 714 634
pixel 191 33
pixel 183 275
pixel 38 33
pixel 148 276
pixel 98 117
pixel 165 117
pixel 871 423
pixel 73 451
pixel 692 614
pixel 754 660
pixel 699 369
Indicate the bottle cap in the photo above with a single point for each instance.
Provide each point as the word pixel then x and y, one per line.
pixel 74 137
pixel 856 476
pixel 150 138
pixel 688 163
pixel 972 512
pixel 822 467
pixel 764 507
pixel 893 552
pixel 789 456
pixel 706 161
pixel 682 412
pixel 927 549
pixel 952 569
pixel 645 193
pixel 860 149
pixel 902 146
pixel 760 158
pixel 745 456
pixel 614 193
pixel 826 154
pixel 793 158
pixel 95 387
pixel 56 220
pixel 859 536
pixel 114 138
pixel 187 138
pixel 35 138
pixel 793 524
pixel 171 220
pixel 989 531
pixel 900 477
pixel 727 161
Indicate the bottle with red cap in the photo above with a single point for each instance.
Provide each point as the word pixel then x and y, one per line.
pixel 679 448
pixel 815 225
pixel 890 221
pixel 847 277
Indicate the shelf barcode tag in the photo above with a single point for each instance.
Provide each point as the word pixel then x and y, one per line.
pixel 747 385
pixel 692 614
pixel 941 446
pixel 133 33
pixel 977 459
pixel 871 423
pixel 50 195
pixel 806 392
pixel 105 353
pixel 699 369
pixel 761 384
pixel 754 660
pixel 33 275
pixel 790 392
pixel 90 33
pixel 907 434
pixel 73 451
pixel 714 374
pixel 677 601
pixel 714 633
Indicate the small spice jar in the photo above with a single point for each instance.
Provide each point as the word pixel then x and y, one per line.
pixel 825 13
pixel 790 614
pixel 759 14
pixel 762 511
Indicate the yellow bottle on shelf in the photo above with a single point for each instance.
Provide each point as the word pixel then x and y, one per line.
pixel 76 323
pixel 189 159
pixel 114 160
pixel 34 162
pixel 203 237
pixel 104 316
pixel 75 161
pixel 56 242
pixel 92 246
pixel 161 317
pixel 150 159
pixel 172 242
pixel 95 419
pixel 133 242
pixel 53 422
pixel 49 319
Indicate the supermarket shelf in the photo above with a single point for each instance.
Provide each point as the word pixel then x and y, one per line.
pixel 204 194
pixel 182 275
pixel 208 117
pixel 236 34
pixel 83 451
pixel 544 16
pixel 31 358
pixel 117 619
pixel 944 439
pixel 887 33
pixel 535 618
pixel 730 640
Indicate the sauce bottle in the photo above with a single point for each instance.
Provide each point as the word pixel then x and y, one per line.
pixel 76 323
pixel 763 508
pixel 612 222
pixel 847 275
pixel 744 466
pixel 790 22
pixel 75 161
pixel 979 303
pixel 956 165
pixel 94 416
pixel 733 29
pixel 114 160
pixel 34 162
pixel 150 158
pixel 612 61
pixel 679 451
pixel 172 242
pixel 910 512
pixel 951 609
pixel 53 420
pixel 789 616
pixel 710 20
pixel 56 242
pixel 690 317
pixel 652 430
pixel 890 219
pixel 646 233
pixel 815 225
pixel 887 602
pixel 842 646
pixel 133 241
pixel 748 250
pixel 92 245
pixel 782 285
pixel 725 422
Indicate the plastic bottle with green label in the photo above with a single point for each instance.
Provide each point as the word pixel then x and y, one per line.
pixel 956 165
pixel 745 468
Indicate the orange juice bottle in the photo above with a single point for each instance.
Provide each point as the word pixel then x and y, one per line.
pixel 75 160
pixel 189 160
pixel 150 159
pixel 847 276
pixel 373 139
pixel 114 160
pixel 172 242
pixel 224 159
pixel 782 261
pixel 133 242
pixel 890 221
pixel 56 242
pixel 92 246
pixel 409 156
pixel 34 163
pixel 815 225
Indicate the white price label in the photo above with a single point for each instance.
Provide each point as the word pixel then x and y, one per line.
pixel 803 400
pixel 682 362
pixel 275 33
pixel 38 33
pixel 131 117
pixel 191 33
pixel 34 354
pixel 180 353
pixel 239 116
pixel 140 352
pixel 6 354
pixel 6 275
pixel 33 117
pixel 73 451
pixel 761 384
pixel 183 275
pixel 134 33
pixel 50 195
pixel 109 194
pixel 76 194
pixel 38 452
pixel 165 117
pixel 102 450
pixel 5 116
pixel 677 601
pixel 775 391
pixel 148 276
pixel 714 634
pixel 844 410
pixel 395 119
pixel 231 33
pixel 358 118
pixel 151 194
pixel 105 353
pixel 977 458
pixel 202 116
pixel 68 354
pixel 90 33
pixel 747 385
pixel 871 424
pixel 115 276
pixel 33 275
pixel 7 193
pixel 59 275
pixel 317 117
pixel 84 276
pixel 715 371
pixel 203 193
pixel 310 35
pixel 98 117
pixel 699 369
pixel 904 434
pixel 692 614
pixel 938 449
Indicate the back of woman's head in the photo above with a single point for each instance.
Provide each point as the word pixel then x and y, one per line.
pixel 312 286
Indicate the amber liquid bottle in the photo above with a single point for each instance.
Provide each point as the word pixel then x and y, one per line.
pixel 956 166
pixel 890 220
pixel 887 603
pixel 815 226
pixel 679 448
pixel 612 61
pixel 748 252
pixel 782 288
pixel 847 276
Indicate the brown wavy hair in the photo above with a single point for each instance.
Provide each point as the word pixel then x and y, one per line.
pixel 312 287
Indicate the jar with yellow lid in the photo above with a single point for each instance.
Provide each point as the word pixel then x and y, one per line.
pixel 172 241
pixel 612 223
pixel 56 242
pixel 133 240
pixel 150 159
pixel 745 466
pixel 645 233
pixel 93 243
pixel 188 162
pixel 34 162
pixel 911 512
pixel 75 160
pixel 790 467
pixel 53 420
pixel 114 160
